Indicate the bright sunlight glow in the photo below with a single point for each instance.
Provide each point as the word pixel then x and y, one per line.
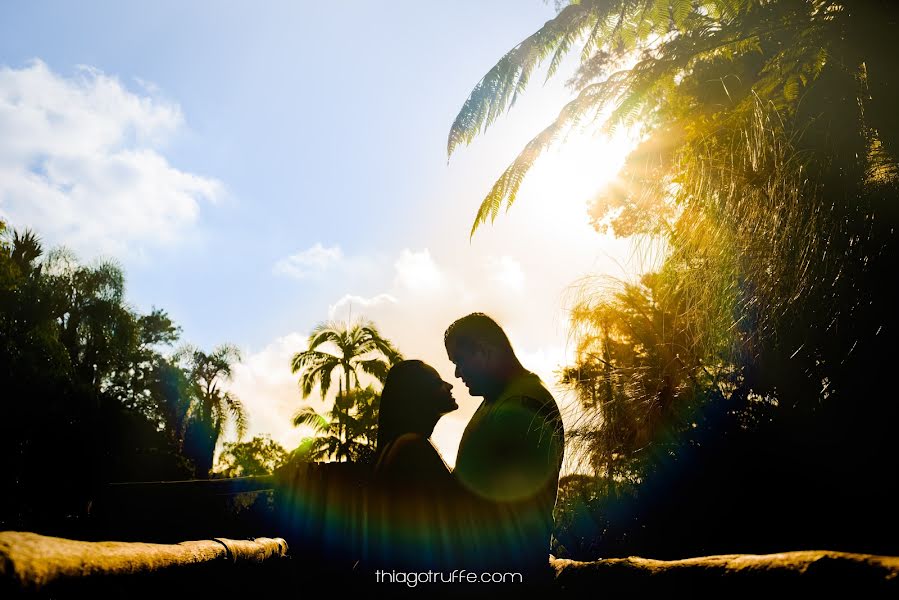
pixel 572 173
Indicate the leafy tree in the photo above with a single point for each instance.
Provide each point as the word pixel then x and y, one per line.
pixel 211 406
pixel 74 360
pixel 96 327
pixel 259 456
pixel 768 164
pixel 359 346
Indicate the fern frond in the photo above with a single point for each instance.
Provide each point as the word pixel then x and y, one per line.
pixel 499 88
pixel 680 11
pixel 506 187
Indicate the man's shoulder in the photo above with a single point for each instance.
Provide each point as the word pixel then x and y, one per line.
pixel 529 392
pixel 526 384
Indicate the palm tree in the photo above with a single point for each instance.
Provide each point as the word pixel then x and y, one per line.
pixel 360 346
pixel 356 443
pixel 211 406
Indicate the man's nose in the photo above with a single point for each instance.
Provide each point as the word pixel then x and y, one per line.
pixel 457 373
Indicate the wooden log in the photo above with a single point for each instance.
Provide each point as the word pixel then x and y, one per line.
pixel 32 563
pixel 800 571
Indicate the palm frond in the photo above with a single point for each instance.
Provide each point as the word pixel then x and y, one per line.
pixel 323 333
pixel 317 369
pixel 238 413
pixel 26 248
pixel 306 359
pixel 381 344
pixel 307 416
pixel 375 367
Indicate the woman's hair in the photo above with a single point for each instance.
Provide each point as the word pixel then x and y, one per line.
pixel 400 412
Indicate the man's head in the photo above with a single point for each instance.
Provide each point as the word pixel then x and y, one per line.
pixel 481 352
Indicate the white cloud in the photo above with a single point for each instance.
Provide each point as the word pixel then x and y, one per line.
pixel 269 391
pixel 309 262
pixel 506 271
pixel 314 262
pixel 343 308
pixel 417 272
pixel 80 162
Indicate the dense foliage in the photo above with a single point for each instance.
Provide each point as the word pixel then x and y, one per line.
pixel 738 398
pixel 90 394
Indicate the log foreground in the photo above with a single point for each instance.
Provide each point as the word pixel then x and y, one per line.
pixel 42 566
pixel 817 571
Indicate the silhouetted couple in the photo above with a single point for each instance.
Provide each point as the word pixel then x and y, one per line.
pixel 494 512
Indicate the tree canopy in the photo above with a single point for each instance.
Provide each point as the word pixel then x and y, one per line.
pixel 767 164
pixel 92 393
pixel 258 456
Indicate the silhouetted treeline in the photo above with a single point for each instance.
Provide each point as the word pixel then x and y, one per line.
pixel 88 396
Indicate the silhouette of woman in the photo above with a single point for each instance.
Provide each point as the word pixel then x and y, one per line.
pixel 415 498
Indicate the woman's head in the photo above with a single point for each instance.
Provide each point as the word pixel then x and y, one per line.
pixel 413 399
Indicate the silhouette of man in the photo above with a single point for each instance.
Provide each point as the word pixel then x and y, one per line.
pixel 511 452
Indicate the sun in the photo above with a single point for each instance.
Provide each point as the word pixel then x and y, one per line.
pixel 559 186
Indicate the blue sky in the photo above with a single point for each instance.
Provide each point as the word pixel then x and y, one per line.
pixel 258 169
